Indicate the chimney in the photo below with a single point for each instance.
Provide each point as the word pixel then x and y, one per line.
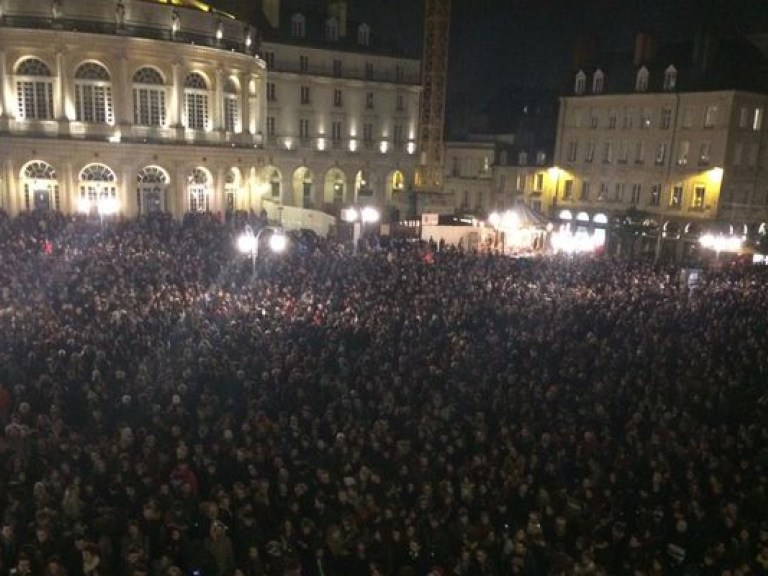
pixel 338 9
pixel 645 49
pixel 271 11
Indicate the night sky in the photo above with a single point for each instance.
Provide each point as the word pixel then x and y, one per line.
pixel 501 48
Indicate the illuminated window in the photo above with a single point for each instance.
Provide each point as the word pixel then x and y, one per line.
pixel 699 197
pixel 705 152
pixel 584 196
pixel 666 118
pixel 676 198
pixel 304 128
pixel 332 30
pixel 581 83
pixel 148 98
pixel 196 101
pixel 34 90
pixel 41 188
pixel 337 100
pixel 198 191
pixel 271 94
pixel 298 26
pixel 636 193
pixel 670 78
pixel 655 196
pixel 305 94
pixel 661 153
pixel 757 119
pixel 270 126
pixel 598 81
pixel 710 118
pixel 364 35
pixel 97 184
pixel 93 94
pixel 568 190
pixel 151 187
pixel 590 154
pixel 231 107
pixel 683 150
pixel 641 81
pixel 573 148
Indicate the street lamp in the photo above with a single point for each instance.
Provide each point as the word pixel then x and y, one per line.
pixel 359 218
pixel 248 242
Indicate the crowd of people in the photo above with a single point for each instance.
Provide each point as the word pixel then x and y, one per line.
pixel 371 413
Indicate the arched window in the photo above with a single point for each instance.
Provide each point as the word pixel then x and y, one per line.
pixel 670 78
pixel 274 184
pixel 98 192
pixel 364 35
pixel 231 188
pixel 332 30
pixel 198 190
pixel 581 83
pixel 298 26
pixel 641 82
pixel 41 189
pixel 34 90
pixel 598 82
pixel 93 94
pixel 151 189
pixel 148 98
pixel 231 107
pixel 196 101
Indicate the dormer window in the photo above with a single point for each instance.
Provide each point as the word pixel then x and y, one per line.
pixel 298 26
pixel 581 83
pixel 332 30
pixel 670 78
pixel 641 82
pixel 598 81
pixel 364 35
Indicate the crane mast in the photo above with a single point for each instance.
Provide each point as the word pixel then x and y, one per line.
pixel 434 79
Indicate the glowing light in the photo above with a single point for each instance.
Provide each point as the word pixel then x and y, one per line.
pixel 83 205
pixel 716 174
pixel 565 215
pixel 369 214
pixel 107 206
pixel 321 143
pixel 349 215
pixel 353 145
pixel 495 219
pixel 246 243
pixel 278 241
pixel 411 147
pixel 721 243
pixel 384 146
pixel 288 143
pixel 115 138
pixel 553 172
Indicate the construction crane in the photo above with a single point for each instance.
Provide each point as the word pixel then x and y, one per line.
pixel 434 79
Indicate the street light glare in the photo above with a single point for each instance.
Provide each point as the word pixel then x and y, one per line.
pixel 246 243
pixel 369 214
pixel 278 242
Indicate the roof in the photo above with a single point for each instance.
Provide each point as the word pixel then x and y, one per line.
pixel 192 5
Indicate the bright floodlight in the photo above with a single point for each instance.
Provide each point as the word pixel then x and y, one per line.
pixel 509 220
pixel 495 219
pixel 107 206
pixel 349 215
pixel 246 243
pixel 369 214
pixel 278 242
pixel 84 205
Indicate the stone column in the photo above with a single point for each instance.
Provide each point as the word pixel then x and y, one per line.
pixel 218 104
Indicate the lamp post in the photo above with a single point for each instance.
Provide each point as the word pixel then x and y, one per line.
pixel 359 218
pixel 248 242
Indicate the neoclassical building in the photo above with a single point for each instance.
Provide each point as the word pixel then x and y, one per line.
pixel 137 106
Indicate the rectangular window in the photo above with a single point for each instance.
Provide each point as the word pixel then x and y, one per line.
pixel 305 94
pixel 618 192
pixel 541 158
pixel 397 136
pixel 602 195
pixel 594 120
pixel 584 196
pixel 627 123
pixel 757 119
pixel 337 101
pixel 573 148
pixel 661 154
pixel 270 126
pixel 269 58
pixel 752 156
pixel 612 121
pixel 568 190
pixel 368 132
pixel 743 117
pixel 705 152
pixel 710 118
pixel 399 73
pixel 590 155
pixel 303 64
pixel 231 113
pixel 93 103
pixel 304 128
pixel 539 181
pixel 699 197
pixel 369 100
pixel 271 94
pixel 149 107
pixel 197 111
pixel 607 153
pixel 336 131
pixel 655 197
pixel 640 152
pixel 399 103
pixel 645 118
pixel 369 71
pixel 337 68
pixel 636 193
pixel 623 152
pixel 683 150
pixel 687 117
pixel 676 198
pixel 666 118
